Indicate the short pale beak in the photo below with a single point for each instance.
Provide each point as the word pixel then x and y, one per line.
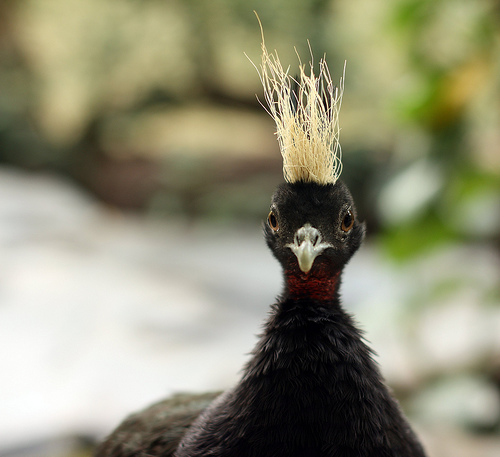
pixel 307 246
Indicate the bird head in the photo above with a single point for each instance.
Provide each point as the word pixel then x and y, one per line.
pixel 313 229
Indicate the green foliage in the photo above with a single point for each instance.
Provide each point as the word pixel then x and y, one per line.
pixel 416 238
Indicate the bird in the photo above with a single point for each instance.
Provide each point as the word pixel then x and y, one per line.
pixel 311 387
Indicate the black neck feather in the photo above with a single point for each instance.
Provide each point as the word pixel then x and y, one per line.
pixel 310 389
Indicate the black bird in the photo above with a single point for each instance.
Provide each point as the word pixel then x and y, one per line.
pixel 311 387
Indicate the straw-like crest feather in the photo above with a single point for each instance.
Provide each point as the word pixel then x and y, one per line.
pixel 306 112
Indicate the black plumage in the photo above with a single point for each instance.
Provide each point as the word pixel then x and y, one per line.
pixel 311 387
pixel 157 430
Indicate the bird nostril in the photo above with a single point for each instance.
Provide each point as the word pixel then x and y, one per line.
pixel 307 233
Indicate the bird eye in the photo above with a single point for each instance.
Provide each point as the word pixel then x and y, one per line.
pixel 348 221
pixel 273 222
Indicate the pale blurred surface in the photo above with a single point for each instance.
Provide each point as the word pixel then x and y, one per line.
pixel 103 313
pixel 136 166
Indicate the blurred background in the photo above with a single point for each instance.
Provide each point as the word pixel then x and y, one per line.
pixel 136 168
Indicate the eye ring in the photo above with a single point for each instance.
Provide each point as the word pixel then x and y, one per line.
pixel 273 222
pixel 347 222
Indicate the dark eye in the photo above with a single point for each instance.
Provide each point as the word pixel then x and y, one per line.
pixel 348 221
pixel 273 222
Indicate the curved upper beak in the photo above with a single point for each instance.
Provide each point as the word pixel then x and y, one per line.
pixel 306 246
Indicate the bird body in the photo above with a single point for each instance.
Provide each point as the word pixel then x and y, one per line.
pixel 311 387
pixel 157 430
pixel 299 397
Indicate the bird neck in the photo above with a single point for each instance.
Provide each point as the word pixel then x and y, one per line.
pixel 319 285
pixel 304 329
pixel 310 389
pixel 310 361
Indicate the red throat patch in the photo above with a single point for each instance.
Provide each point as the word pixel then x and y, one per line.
pixel 318 284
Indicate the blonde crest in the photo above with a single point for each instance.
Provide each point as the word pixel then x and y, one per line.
pixel 306 112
